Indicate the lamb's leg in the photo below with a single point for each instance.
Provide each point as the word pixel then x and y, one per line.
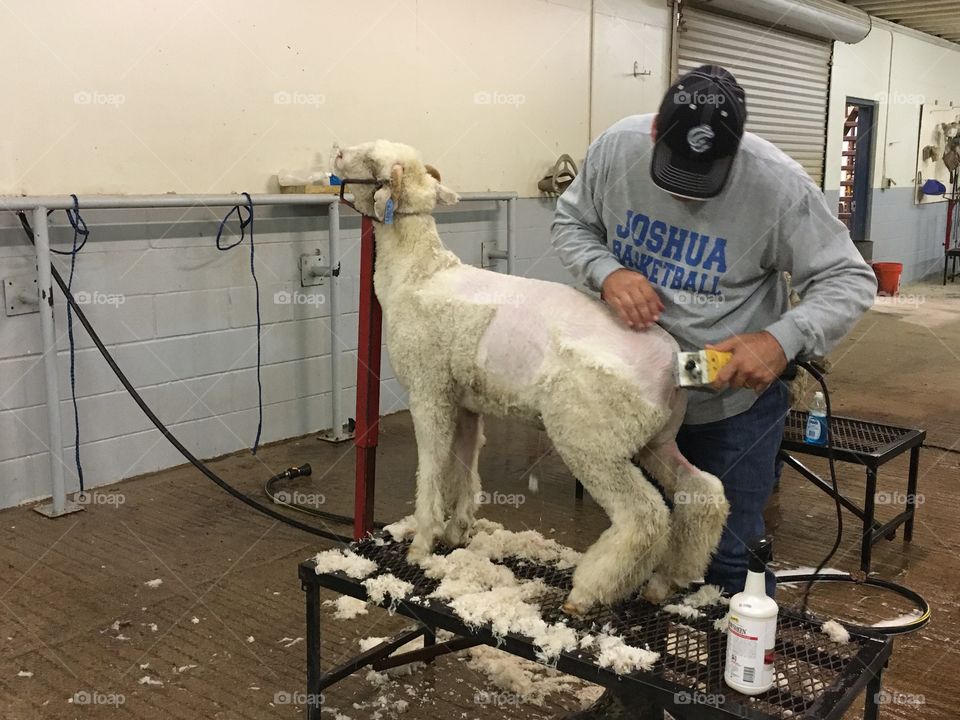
pixel 434 423
pixel 628 551
pixel 464 481
pixel 699 511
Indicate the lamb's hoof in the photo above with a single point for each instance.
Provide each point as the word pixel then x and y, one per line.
pixel 572 610
pixel 419 551
pixel 658 589
pixel 456 533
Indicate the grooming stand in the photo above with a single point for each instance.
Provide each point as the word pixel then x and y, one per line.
pixel 816 677
pixel 870 445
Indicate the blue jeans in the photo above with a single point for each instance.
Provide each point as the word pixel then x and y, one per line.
pixel 742 452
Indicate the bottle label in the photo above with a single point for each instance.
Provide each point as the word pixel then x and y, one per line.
pixel 750 656
pixel 816 430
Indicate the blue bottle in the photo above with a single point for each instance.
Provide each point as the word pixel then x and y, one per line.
pixel 816 430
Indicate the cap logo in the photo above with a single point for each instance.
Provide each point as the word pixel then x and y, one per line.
pixel 700 138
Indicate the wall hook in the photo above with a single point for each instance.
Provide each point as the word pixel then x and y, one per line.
pixel 637 72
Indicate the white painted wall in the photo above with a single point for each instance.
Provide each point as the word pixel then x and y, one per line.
pixel 902 72
pixel 217 95
pixel 627 32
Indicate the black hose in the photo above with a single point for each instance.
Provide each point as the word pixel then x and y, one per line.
pixel 818 376
pixel 270 490
pixel 818 576
pixel 171 438
pixel 901 590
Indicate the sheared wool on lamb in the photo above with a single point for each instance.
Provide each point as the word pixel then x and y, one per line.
pixel 345 561
pixel 705 595
pixel 387 584
pixel 492 541
pixel 835 631
pixel 347 608
pixel 622 658
pixel 482 592
pixel 683 610
pixel 406 669
pixel 402 529
pixel 589 695
pixel 531 682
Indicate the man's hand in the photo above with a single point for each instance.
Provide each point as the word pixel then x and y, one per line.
pixel 633 298
pixel 757 361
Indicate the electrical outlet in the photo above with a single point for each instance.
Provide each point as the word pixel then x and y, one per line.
pixel 314 268
pixel 20 294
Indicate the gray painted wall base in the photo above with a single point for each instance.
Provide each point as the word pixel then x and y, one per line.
pixel 902 231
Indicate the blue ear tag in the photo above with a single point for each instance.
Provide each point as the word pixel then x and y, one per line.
pixel 388 213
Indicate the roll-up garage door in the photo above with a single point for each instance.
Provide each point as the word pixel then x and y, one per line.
pixel 785 76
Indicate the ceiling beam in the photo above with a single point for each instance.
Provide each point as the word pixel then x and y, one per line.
pixel 892 6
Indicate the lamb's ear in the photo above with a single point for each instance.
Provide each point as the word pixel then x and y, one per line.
pixel 391 190
pixel 446 196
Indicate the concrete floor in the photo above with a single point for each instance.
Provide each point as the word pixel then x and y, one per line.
pixel 222 633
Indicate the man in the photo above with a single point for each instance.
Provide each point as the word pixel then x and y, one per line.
pixel 684 219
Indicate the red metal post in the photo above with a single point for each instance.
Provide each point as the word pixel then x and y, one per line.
pixel 368 386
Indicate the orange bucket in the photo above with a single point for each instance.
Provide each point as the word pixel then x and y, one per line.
pixel 888 277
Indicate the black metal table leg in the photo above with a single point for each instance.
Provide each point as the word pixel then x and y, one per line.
pixel 912 492
pixel 314 701
pixel 871 704
pixel 869 520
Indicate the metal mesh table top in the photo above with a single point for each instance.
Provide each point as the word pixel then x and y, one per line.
pixel 865 439
pixel 812 672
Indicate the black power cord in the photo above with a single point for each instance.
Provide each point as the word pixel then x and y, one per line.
pixel 171 438
pixel 819 576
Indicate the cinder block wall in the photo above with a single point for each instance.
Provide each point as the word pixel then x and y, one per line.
pixel 179 317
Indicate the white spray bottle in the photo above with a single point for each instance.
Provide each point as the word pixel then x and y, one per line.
pixel 752 632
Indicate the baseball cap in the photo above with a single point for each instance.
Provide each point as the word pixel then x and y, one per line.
pixel 699 128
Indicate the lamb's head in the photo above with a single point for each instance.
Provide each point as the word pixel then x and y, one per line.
pixel 402 177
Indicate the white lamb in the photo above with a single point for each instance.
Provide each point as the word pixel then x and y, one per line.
pixel 467 342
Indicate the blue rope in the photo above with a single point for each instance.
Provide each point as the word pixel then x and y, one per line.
pixel 79 230
pixel 244 224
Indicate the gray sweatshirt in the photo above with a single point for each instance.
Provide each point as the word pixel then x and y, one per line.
pixel 717 264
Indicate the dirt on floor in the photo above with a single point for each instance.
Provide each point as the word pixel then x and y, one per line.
pixel 166 598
